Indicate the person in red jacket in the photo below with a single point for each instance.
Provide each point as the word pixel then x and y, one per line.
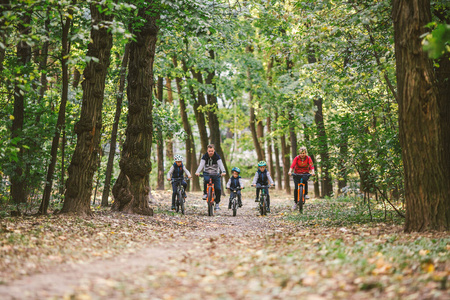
pixel 302 164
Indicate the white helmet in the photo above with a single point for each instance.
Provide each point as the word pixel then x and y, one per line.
pixel 178 158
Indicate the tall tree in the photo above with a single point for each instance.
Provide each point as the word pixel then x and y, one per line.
pixel 85 158
pixel 426 172
pixel 159 134
pixel 19 189
pixel 131 190
pixel 191 160
pixel 65 50
pixel 214 126
pixel 169 141
pixel 113 142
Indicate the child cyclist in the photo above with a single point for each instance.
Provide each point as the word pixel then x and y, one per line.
pixel 262 177
pixel 177 171
pixel 235 181
pixel 302 164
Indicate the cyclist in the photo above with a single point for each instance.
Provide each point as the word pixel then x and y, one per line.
pixel 262 177
pixel 302 164
pixel 176 172
pixel 235 181
pixel 211 164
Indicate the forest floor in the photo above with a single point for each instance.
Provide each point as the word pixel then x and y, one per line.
pixel 334 250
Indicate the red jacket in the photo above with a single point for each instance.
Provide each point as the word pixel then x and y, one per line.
pixel 300 166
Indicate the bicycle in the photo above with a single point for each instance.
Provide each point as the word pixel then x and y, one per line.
pixel 234 200
pixel 301 190
pixel 210 194
pixel 179 198
pixel 263 206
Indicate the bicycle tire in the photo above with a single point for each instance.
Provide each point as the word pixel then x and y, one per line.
pixel 183 211
pixel 210 201
pixel 300 198
pixel 263 205
pixel 178 201
pixel 234 207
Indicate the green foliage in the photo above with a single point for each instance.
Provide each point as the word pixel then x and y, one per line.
pixel 437 42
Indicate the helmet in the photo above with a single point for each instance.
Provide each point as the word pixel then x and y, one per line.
pixel 178 158
pixel 262 164
pixel 236 169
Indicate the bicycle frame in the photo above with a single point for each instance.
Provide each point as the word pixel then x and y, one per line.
pixel 234 199
pixel 262 199
pixel 210 191
pixel 301 186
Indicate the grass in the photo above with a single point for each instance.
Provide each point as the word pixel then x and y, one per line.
pixel 344 212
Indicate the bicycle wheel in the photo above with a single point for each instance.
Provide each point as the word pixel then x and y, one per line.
pixel 178 201
pixel 210 203
pixel 263 205
pixel 182 203
pixel 234 207
pixel 300 198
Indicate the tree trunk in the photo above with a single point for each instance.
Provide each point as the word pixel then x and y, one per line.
pixel 292 135
pixel 115 128
pixel 199 105
pixel 19 189
pixel 65 50
pixel 286 164
pixel 327 184
pixel 191 159
pixel 421 122
pixel 132 188
pixel 269 149
pixel 88 129
pixel 159 142
pixel 214 126
pixel 343 155
pixel 169 141
pixel 313 158
pixel 277 159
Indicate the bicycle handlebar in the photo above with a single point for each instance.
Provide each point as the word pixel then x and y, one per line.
pixel 303 174
pixel 264 186
pixel 210 175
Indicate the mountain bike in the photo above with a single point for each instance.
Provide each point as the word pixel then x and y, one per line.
pixel 234 200
pixel 263 206
pixel 179 197
pixel 301 190
pixel 210 193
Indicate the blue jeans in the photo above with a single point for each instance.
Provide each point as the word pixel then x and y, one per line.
pixel 297 181
pixel 216 181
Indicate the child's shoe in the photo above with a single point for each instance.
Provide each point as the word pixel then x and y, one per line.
pixel 173 207
pixel 204 196
pixel 229 204
pixel 256 199
pixel 240 203
pixel 268 209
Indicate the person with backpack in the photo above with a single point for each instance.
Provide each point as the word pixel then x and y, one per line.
pixel 177 171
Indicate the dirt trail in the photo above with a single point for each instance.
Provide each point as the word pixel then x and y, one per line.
pixel 85 280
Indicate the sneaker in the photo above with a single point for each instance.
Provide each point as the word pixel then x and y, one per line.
pixel 240 204
pixel 306 197
pixel 268 209
pixel 256 199
pixel 229 205
pixel 173 207
pixel 185 196
pixel 295 206
pixel 217 206
pixel 204 196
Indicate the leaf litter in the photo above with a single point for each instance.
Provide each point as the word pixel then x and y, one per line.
pixel 331 251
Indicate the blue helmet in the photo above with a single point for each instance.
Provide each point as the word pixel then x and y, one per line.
pixel 236 169
pixel 262 164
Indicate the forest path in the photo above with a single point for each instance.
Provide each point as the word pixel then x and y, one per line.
pixel 163 263
pixel 279 256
